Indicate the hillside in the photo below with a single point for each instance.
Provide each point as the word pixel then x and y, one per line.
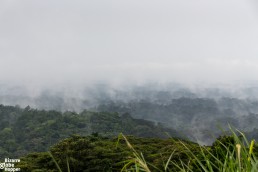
pixel 28 130
pixel 90 141
pixel 200 119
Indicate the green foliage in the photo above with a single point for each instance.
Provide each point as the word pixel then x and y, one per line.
pixel 85 142
pixel 228 154
pixel 189 114
pixel 31 130
pixel 97 153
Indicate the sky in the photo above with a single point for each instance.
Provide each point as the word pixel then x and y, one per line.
pixel 53 42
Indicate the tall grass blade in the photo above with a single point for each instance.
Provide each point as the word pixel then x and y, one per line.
pixel 58 167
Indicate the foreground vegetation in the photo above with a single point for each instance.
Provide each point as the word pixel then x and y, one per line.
pixel 127 153
pixel 97 153
pixel 228 154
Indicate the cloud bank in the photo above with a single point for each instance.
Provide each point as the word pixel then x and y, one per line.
pixel 55 42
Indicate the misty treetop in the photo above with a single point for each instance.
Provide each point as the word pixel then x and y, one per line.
pixel 196 118
pixel 27 130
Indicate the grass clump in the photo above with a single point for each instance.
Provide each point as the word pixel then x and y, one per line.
pixel 232 153
pixel 137 159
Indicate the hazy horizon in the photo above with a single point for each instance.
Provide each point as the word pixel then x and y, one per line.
pixel 46 43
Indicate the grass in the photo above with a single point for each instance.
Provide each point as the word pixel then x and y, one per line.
pixel 137 162
pixel 57 165
pixel 224 156
pixel 232 153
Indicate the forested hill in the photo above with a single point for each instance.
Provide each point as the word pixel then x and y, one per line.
pixel 28 130
pixel 197 118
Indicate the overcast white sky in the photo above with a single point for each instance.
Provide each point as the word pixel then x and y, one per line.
pixel 52 41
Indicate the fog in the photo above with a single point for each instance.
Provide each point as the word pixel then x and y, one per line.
pixel 47 44
pixel 173 62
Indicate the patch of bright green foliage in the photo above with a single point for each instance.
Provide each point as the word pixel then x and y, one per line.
pixel 97 153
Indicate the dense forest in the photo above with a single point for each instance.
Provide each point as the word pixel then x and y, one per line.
pixel 196 113
pixel 200 119
pixel 98 153
pixel 27 130
pixel 48 140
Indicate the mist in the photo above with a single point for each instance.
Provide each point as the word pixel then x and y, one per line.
pixel 43 44
pixel 130 56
